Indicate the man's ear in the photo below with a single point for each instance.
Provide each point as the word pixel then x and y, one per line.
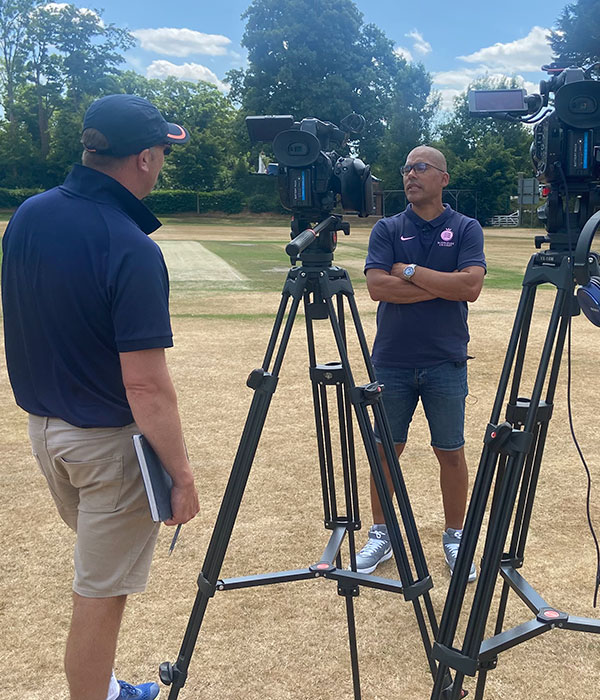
pixel 143 159
pixel 447 179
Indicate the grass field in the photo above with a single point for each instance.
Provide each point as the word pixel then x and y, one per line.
pixel 290 640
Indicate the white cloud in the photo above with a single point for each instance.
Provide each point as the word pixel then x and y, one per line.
pixel 181 42
pixel 403 53
pixel 58 7
pixel 420 45
pixel 512 59
pixel 448 95
pixel 526 54
pixel 187 71
pixel 456 79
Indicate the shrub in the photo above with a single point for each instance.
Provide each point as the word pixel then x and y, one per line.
pixel 160 201
pixel 11 199
pixel 171 201
pixel 230 201
pixel 259 203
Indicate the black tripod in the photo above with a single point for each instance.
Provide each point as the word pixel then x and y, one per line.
pixel 317 283
pixel 513 452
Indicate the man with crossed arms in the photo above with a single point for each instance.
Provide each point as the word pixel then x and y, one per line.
pixel 423 266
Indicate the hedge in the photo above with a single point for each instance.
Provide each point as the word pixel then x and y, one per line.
pixel 160 201
pixel 171 201
pixel 175 201
pixel 11 199
pixel 260 203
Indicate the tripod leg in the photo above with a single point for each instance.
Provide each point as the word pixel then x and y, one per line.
pixel 349 593
pixel 516 445
pixel 477 505
pixel 264 385
pixel 498 528
pixel 412 590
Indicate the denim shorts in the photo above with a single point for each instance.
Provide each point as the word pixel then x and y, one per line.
pixel 442 389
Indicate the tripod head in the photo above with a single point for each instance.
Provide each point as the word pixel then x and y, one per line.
pixel 314 246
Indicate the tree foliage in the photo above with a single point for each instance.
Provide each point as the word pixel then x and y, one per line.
pixel 485 154
pixel 308 58
pixel 314 58
pixel 208 160
pixel 576 41
pixel 53 59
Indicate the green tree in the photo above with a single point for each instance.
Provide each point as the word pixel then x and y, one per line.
pixel 17 155
pixel 207 162
pixel 463 134
pixel 314 58
pixel 14 25
pixel 490 172
pixel 409 123
pixel 53 59
pixel 485 155
pixel 576 40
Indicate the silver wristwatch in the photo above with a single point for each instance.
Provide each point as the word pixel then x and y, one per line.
pixel 409 271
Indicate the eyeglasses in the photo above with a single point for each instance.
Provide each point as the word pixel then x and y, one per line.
pixel 167 149
pixel 418 168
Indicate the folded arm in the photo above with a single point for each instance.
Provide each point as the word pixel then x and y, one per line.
pixel 460 285
pixel 153 402
pixel 392 287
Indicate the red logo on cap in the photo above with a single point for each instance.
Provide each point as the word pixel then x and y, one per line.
pixel 181 135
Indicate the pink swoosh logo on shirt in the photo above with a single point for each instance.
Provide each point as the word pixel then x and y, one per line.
pixel 406 238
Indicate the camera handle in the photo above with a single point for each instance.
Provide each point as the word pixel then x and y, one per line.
pixel 303 239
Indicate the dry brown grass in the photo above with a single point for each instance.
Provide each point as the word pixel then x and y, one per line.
pixel 290 641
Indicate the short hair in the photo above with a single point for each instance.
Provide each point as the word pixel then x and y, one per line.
pixel 94 140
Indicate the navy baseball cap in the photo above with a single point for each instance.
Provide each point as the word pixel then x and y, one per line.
pixel 130 124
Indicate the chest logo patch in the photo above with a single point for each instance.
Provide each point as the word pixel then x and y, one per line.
pixel 446 235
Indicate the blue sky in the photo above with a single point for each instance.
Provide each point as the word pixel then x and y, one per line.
pixel 456 41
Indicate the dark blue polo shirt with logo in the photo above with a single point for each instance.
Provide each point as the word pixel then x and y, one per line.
pixel 425 333
pixel 81 282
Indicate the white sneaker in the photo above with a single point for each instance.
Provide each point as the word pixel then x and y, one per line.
pixel 377 549
pixel 451 540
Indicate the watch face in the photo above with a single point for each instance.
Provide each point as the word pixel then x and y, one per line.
pixel 409 271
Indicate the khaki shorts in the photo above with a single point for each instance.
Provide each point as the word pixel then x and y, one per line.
pixel 96 484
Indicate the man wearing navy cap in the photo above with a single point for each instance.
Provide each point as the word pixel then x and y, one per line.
pixel 423 266
pixel 86 322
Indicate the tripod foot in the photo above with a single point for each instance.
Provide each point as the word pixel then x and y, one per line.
pixel 166 673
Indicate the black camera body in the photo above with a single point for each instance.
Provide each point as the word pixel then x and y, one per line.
pixel 313 178
pixel 566 143
pixel 570 136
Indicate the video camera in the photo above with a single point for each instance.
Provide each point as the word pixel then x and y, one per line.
pixel 566 143
pixel 313 178
pixel 566 157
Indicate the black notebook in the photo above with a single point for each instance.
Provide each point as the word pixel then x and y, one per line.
pixel 157 481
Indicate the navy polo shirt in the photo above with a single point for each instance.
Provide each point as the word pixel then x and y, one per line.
pixel 425 333
pixel 81 282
